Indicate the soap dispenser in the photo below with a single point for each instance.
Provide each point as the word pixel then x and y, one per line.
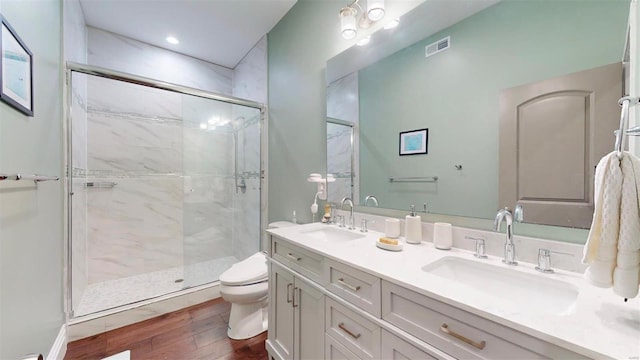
pixel 413 227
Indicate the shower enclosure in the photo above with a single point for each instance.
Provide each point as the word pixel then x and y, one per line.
pixel 164 187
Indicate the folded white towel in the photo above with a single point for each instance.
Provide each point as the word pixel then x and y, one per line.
pixel 625 282
pixel 601 247
pixel 613 246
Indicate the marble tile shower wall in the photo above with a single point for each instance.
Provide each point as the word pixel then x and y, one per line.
pixel 121 53
pixel 343 104
pixel 173 179
pixel 136 226
pixel 249 82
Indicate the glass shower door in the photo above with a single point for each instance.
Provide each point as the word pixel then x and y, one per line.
pixel 221 187
pixel 154 207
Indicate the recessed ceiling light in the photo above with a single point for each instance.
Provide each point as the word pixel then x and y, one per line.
pixel 172 40
pixel 392 24
pixel 364 41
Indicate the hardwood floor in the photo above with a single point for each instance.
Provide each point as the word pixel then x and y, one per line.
pixel 197 332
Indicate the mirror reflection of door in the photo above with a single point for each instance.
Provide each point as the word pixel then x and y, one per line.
pixel 343 114
pixel 552 135
pixel 340 160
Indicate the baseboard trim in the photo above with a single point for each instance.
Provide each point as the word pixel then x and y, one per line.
pixel 83 327
pixel 273 353
pixel 59 348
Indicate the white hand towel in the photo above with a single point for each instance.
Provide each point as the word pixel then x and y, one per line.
pixel 625 275
pixel 613 247
pixel 601 248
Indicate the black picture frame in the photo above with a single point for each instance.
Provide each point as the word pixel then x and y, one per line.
pixel 413 142
pixel 16 70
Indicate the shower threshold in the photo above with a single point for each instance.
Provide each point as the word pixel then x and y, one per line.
pixel 119 292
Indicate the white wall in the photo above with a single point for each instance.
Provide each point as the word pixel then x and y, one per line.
pixel 31 231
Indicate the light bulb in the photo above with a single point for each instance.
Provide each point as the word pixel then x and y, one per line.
pixel 172 40
pixel 375 9
pixel 348 23
pixel 203 126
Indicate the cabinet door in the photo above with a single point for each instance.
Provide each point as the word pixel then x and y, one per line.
pixel 281 292
pixel 309 322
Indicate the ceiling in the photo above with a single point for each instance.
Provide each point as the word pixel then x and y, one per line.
pixel 217 31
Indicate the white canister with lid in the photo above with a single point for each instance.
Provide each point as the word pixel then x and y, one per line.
pixel 442 236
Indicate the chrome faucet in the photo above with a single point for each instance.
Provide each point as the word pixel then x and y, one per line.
pixel 372 198
pixel 509 246
pixel 351 223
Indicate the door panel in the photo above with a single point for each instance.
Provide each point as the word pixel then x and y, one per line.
pixel 552 135
pixel 309 322
pixel 281 296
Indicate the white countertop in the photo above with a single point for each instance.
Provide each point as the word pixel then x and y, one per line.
pixel 600 324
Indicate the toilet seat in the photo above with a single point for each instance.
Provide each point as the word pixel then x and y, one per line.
pixel 248 271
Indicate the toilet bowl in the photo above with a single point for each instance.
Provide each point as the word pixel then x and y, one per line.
pixel 245 286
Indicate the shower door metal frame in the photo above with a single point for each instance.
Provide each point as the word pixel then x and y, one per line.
pixel 72 67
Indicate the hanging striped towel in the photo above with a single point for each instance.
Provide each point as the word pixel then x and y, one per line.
pixel 613 246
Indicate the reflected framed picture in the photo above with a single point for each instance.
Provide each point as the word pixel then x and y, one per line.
pixel 16 70
pixel 414 142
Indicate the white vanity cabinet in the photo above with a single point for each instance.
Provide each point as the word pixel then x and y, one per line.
pixel 324 307
pixel 296 319
pixel 459 333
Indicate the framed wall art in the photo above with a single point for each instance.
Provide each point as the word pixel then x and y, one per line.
pixel 16 70
pixel 414 142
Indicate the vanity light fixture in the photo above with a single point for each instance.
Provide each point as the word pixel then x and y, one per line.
pixel 375 9
pixel 392 24
pixel 349 21
pixel 364 41
pixel 172 40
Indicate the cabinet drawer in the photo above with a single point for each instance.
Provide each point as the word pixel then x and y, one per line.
pixel 459 333
pixel 395 348
pixel 357 334
pixel 355 286
pixel 336 351
pixel 299 259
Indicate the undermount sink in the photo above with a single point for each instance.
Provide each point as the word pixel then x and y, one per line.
pixel 513 290
pixel 332 234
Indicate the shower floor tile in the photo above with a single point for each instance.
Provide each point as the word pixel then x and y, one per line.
pixel 113 293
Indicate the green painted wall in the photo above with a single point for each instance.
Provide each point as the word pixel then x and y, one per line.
pixel 299 46
pixel 456 95
pixel 31 230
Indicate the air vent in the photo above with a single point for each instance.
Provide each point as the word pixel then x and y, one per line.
pixel 438 46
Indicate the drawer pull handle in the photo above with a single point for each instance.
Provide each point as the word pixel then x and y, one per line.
pixel 343 283
pixel 289 285
pixel 291 256
pixel 445 329
pixel 294 296
pixel 343 328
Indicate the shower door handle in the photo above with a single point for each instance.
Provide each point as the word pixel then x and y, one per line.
pixel 289 285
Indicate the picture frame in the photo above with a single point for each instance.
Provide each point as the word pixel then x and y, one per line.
pixel 16 70
pixel 414 142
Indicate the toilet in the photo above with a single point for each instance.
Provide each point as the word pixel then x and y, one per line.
pixel 245 286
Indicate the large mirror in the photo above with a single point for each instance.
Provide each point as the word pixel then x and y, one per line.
pixel 519 98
